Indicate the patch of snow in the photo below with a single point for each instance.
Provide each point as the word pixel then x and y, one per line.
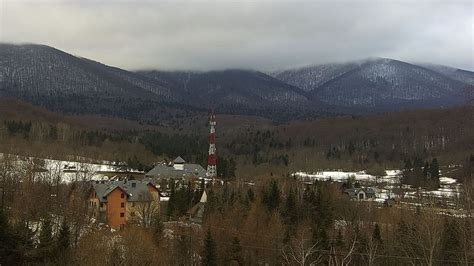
pixel 447 180
pixel 392 176
pixel 69 171
pixel 380 200
pixel 386 186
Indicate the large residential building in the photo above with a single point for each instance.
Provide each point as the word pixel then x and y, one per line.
pixel 178 170
pixel 121 202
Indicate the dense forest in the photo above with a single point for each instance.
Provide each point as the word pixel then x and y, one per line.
pixel 252 144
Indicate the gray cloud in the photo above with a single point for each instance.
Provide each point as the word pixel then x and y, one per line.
pixel 265 35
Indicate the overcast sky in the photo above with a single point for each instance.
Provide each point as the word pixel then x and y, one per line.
pixel 259 34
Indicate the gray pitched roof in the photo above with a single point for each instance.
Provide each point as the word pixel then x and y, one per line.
pixel 370 191
pixel 168 171
pixel 352 192
pixel 196 213
pixel 179 160
pixel 135 193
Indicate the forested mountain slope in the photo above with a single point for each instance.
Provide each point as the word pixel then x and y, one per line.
pixel 65 83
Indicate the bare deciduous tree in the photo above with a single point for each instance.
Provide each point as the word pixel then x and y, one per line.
pixel 7 168
pixel 301 251
pixel 146 210
pixel 371 247
pixel 340 257
pixel 422 238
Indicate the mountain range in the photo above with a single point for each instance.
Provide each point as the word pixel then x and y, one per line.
pixel 381 84
pixel 62 82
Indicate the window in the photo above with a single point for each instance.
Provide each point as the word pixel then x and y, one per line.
pixel 122 205
pixel 132 213
pixel 101 205
pixel 122 196
pixel 133 204
pixel 122 214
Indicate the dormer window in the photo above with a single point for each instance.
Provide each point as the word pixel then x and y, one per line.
pixel 178 163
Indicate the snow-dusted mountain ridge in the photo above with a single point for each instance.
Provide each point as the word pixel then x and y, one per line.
pixel 380 84
pixel 62 82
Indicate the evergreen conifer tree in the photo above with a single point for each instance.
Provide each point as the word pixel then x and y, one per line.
pixel 46 243
pixel 376 233
pixel 24 238
pixel 339 240
pixel 157 228
pixel 291 211
pixel 434 169
pixel 116 256
pixel 9 253
pixel 64 237
pixel 236 251
pixel 63 242
pixel 209 257
pixel 271 196
pixel 290 214
pixel 450 242
pixel 172 201
pixel 408 165
pixel 426 169
pixel 250 195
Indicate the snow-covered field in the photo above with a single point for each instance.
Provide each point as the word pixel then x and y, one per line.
pixel 69 171
pixel 391 176
pixel 385 185
pixel 73 171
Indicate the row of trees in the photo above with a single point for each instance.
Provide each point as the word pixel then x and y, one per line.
pixel 17 242
pixel 193 148
pixel 421 174
pixel 465 173
pixel 157 142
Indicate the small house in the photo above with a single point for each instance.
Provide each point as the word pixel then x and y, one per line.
pixel 360 193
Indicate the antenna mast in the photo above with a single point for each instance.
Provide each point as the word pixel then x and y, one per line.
pixel 211 158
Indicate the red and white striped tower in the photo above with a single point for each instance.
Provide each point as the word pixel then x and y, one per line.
pixel 211 158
